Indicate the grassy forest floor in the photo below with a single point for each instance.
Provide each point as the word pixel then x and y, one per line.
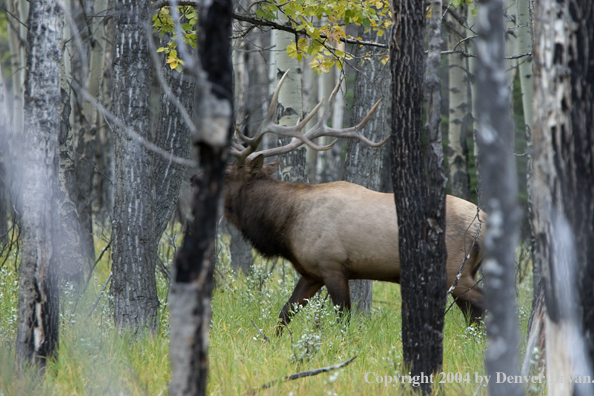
pixel 94 359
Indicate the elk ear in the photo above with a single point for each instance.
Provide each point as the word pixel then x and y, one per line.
pixel 271 168
pixel 254 165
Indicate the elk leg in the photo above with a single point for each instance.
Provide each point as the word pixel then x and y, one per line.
pixel 305 289
pixel 338 287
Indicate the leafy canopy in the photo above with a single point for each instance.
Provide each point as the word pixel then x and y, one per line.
pixel 321 23
pixel 163 24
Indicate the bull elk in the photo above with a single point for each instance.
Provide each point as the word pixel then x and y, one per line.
pixel 335 231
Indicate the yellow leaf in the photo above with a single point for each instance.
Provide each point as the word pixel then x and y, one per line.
pixel 379 5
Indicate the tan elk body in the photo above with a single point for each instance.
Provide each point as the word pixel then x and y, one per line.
pixel 336 231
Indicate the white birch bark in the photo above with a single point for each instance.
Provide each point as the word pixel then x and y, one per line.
pixel 290 106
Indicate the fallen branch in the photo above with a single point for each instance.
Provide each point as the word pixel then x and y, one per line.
pixel 300 375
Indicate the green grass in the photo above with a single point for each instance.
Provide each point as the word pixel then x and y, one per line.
pixel 94 359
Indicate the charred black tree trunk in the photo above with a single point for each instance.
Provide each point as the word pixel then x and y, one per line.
pixel 133 285
pixel 421 226
pixel 500 190
pixel 563 183
pixel 36 153
pixel 193 282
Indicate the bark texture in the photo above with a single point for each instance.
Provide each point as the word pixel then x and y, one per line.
pixel 472 65
pixel 17 35
pixel 290 108
pixel 193 282
pixel 421 226
pixel 563 182
pixel 364 164
pixel 133 285
pixel 68 255
pixel 87 135
pixel 5 127
pixel 496 141
pixel 457 151
pixel 250 66
pixel 36 153
pixel 172 135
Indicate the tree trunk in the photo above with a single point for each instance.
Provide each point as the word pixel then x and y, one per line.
pixel 17 35
pixel 310 100
pixel 86 139
pixel 290 107
pixel 472 61
pixel 250 86
pixel 133 285
pixel 457 151
pixel 191 291
pixel 421 216
pixel 509 14
pixel 172 135
pixel 5 127
pixel 563 183
pixel 17 38
pixel 524 45
pixel 535 337
pixel 326 85
pixel 500 190
pixel 38 318
pixel 363 164
pixel 68 256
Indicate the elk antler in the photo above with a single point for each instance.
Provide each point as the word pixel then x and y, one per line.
pixel 318 130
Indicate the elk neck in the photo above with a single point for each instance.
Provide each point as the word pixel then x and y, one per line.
pixel 264 209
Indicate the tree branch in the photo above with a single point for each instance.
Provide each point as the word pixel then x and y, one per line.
pixel 300 375
pixel 266 23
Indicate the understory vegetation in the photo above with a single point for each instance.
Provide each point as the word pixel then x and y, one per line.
pixel 95 359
